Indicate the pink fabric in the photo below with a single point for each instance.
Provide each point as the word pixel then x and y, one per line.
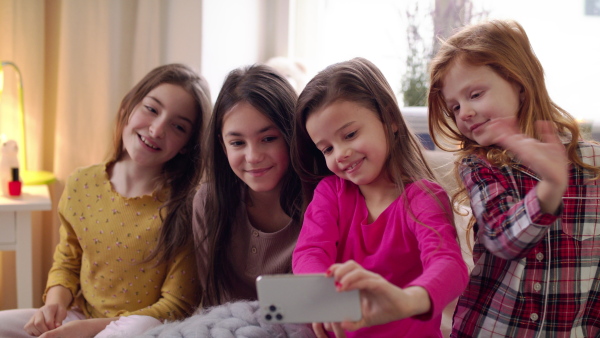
pixel 395 246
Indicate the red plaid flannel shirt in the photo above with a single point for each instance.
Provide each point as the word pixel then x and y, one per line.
pixel 535 274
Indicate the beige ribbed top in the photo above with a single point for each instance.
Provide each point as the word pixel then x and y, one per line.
pixel 253 252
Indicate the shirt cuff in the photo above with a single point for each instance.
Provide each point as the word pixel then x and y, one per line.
pixel 534 210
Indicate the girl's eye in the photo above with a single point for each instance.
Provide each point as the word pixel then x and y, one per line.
pixel 350 135
pixel 269 139
pixel 455 109
pixel 236 143
pixel 476 95
pixel 327 150
pixel 179 127
pixel 150 109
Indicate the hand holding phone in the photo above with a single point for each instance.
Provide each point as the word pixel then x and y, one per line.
pixel 307 298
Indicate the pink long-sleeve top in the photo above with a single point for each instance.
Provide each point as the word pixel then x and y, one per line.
pixel 395 245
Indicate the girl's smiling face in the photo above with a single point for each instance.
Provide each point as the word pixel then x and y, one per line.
pixel 159 126
pixel 352 139
pixel 255 148
pixel 476 95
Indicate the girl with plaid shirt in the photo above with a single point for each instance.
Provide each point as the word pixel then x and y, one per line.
pixel 532 182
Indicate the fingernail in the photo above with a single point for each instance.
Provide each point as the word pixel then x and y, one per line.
pixel 338 285
pixel 328 273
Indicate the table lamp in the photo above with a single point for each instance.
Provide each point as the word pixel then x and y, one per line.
pixel 29 177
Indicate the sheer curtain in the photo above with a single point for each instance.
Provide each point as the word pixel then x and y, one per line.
pixel 78 59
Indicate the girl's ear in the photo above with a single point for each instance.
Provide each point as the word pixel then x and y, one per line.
pixel 394 127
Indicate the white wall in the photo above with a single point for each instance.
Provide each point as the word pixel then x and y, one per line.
pixel 567 42
pixel 233 34
pixel 183 33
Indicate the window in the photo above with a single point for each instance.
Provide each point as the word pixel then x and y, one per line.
pixel 564 37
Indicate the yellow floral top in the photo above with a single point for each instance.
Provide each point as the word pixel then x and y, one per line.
pixel 104 238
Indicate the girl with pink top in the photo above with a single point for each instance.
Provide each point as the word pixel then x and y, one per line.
pixel 372 203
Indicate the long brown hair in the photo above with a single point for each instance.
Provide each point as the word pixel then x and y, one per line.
pixel 268 92
pixel 359 81
pixel 180 175
pixel 503 46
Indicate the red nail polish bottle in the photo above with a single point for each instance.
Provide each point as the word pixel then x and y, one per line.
pixel 14 186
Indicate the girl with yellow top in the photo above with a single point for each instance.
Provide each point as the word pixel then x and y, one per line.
pixel 124 244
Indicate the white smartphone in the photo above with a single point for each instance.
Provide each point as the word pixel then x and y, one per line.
pixel 307 298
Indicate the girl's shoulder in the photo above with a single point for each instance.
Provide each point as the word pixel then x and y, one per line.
pixel 424 185
pixel 93 173
pixel 335 184
pixel 474 160
pixel 200 194
pixel 424 188
pixel 474 164
pixel 589 152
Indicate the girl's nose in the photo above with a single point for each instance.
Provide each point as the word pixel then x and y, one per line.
pixel 157 128
pixel 466 112
pixel 343 154
pixel 254 154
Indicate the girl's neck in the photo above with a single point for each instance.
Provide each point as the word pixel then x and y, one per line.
pixel 131 180
pixel 378 196
pixel 265 212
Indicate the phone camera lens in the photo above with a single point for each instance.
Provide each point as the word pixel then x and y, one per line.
pixel 268 317
pixel 279 316
pixel 272 308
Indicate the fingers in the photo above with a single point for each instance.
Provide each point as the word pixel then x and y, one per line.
pixel 60 315
pixel 319 331
pixel 351 276
pixel 338 330
pixel 50 314
pixel 547 132
pixel 353 326
pixel 341 269
pixel 503 131
pixel 45 319
pixel 37 324
pixel 320 328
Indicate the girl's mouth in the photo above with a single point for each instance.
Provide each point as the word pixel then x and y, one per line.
pixel 354 166
pixel 147 142
pixel 477 125
pixel 258 172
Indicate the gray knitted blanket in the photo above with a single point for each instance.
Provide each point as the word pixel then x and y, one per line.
pixel 236 319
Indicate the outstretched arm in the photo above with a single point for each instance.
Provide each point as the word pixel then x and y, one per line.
pixel 547 158
pixel 381 301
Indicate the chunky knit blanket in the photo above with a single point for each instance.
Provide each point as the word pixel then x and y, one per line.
pixel 235 319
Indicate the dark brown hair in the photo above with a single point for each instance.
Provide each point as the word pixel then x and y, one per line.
pixel 359 81
pixel 268 92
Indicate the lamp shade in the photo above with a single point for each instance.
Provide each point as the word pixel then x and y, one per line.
pixel 29 177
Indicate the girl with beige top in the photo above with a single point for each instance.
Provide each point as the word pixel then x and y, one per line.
pixel 247 214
